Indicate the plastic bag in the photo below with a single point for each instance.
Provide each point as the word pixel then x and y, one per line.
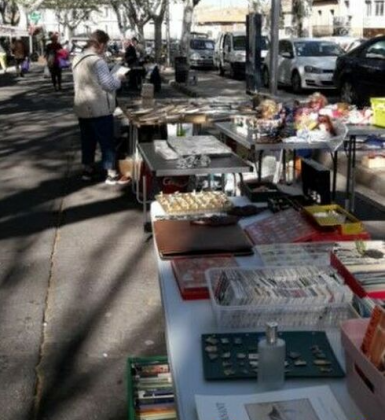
pixel 64 63
pixel 46 72
pixel 25 66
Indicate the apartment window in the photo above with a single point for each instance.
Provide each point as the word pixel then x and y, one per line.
pixel 369 8
pixel 380 8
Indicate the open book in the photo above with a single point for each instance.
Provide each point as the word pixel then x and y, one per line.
pixel 313 403
pixel 117 70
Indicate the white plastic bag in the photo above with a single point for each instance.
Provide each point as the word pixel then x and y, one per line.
pixel 46 72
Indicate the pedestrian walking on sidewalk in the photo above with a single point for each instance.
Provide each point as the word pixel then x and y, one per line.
pixel 95 103
pixel 52 56
pixel 20 54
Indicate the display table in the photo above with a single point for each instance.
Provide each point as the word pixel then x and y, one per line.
pixel 185 321
pixel 159 167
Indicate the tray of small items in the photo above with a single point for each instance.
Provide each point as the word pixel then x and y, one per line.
pixel 235 355
pixel 194 203
pixel 260 192
pixel 334 216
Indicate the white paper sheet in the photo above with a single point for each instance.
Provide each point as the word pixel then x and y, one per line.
pixel 313 403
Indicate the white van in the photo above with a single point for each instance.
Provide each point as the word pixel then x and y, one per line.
pixel 230 53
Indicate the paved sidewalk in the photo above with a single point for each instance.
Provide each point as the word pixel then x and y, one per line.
pixel 78 282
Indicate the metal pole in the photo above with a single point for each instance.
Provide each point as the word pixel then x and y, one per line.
pixel 274 35
pixel 168 34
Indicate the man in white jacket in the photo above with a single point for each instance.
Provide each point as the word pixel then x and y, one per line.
pixel 94 106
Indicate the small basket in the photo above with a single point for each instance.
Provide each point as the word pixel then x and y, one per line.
pixel 378 106
pixel 365 382
pixel 352 226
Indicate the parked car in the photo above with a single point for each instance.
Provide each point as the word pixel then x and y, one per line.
pixel 347 43
pixel 202 53
pixel 230 53
pixel 360 74
pixel 304 64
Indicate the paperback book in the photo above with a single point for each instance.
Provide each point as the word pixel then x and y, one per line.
pixel 362 263
pixel 373 344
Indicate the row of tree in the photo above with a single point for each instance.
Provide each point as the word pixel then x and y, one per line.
pixel 135 14
pixel 131 14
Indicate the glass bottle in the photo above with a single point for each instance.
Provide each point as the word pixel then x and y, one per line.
pixel 271 362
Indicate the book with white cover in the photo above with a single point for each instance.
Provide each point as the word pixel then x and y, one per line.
pixel 118 70
pixel 313 403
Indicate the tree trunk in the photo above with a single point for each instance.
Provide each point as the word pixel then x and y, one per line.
pixel 186 28
pixel 140 31
pixel 158 38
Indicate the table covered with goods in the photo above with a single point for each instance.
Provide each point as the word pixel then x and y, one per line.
pixel 230 268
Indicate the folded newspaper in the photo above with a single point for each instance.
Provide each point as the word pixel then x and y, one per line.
pixel 313 403
pixel 119 70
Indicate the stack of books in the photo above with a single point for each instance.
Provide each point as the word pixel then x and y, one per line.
pixel 150 389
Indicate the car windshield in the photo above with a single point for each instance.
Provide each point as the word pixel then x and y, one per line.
pixel 201 44
pixel 317 49
pixel 240 43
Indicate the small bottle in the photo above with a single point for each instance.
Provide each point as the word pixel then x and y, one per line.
pixel 271 362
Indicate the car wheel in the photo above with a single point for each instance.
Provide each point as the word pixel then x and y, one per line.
pixel 221 70
pixel 349 93
pixel 265 77
pixel 296 82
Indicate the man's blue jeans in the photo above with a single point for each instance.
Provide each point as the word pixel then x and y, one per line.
pixel 98 130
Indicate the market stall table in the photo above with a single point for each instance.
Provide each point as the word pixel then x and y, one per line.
pixel 160 167
pixel 186 321
pixel 229 130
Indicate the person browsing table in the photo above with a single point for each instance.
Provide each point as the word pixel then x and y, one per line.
pixel 94 105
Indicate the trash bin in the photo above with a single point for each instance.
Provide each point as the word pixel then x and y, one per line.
pixel 181 69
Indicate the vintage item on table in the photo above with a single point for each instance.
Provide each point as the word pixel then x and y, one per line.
pixel 194 161
pixel 258 191
pixel 373 344
pixel 280 203
pixel 365 382
pixel 198 145
pixel 164 150
pixel 272 362
pixel 283 227
pixel 235 355
pixel 362 263
pixel 378 107
pixel 195 202
pixel 315 181
pixel 291 296
pixel 289 255
pixel 150 389
pixel 311 403
pixel 182 238
pixel 190 274
pixel 260 130
pixel 334 216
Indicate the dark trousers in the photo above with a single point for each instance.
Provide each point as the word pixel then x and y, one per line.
pixel 55 75
pixel 100 131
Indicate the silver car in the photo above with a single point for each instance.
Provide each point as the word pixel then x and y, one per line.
pixel 202 53
pixel 304 64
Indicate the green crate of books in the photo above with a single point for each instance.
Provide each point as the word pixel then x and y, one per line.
pixel 150 389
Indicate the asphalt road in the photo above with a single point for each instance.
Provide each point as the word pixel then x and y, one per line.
pixel 78 281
